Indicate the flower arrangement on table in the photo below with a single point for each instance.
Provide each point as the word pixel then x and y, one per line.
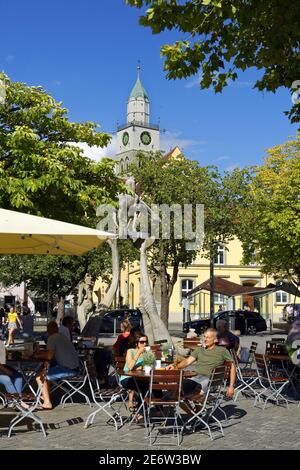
pixel 148 360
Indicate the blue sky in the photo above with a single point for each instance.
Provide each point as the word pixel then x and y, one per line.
pixel 85 54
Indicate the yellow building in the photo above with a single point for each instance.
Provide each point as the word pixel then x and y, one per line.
pixel 228 266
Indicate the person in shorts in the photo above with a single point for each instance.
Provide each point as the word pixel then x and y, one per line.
pixel 12 321
pixel 64 362
pixel 206 359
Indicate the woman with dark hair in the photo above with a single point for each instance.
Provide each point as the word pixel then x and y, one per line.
pixel 134 361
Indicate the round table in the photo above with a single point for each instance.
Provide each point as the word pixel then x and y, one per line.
pixel 140 374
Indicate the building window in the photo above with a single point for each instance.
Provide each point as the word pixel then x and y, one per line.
pixel 220 299
pixel 220 256
pixel 252 261
pixel 281 297
pixel 186 286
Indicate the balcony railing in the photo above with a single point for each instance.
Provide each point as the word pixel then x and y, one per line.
pixel 139 124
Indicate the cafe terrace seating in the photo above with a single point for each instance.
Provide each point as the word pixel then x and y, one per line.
pixel 32 400
pixel 203 410
pixel 271 382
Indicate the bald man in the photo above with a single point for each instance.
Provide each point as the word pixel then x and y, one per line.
pixel 206 359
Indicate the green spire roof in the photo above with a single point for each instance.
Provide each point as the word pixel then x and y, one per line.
pixel 138 90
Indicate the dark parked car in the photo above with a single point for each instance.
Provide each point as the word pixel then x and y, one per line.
pixel 246 321
pixel 110 321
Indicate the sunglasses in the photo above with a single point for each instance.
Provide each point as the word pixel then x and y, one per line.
pixel 143 342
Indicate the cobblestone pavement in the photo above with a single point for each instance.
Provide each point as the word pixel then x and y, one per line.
pixel 247 428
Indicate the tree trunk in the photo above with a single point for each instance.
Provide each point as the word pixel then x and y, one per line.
pixel 212 289
pixel 164 302
pixel 60 309
pixel 167 286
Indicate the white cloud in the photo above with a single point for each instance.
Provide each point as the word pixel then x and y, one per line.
pixel 170 140
pixel 97 153
pixel 9 58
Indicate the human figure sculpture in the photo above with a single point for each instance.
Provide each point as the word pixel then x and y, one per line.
pixel 85 300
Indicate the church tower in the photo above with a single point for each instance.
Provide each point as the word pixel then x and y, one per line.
pixel 137 134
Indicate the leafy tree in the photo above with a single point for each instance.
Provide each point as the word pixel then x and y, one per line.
pixel 42 171
pixel 270 221
pixel 225 36
pixel 181 181
pixel 60 275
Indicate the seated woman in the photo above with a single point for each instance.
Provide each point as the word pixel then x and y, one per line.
pixel 134 361
pixel 11 379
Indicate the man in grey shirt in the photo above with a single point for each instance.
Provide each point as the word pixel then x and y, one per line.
pixel 61 351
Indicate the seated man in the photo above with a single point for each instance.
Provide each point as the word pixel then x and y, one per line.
pixel 225 337
pixel 61 350
pixel 206 358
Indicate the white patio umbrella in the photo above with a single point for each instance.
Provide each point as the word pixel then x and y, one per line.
pixel 28 234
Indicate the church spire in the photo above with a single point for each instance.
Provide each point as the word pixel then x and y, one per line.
pixel 138 102
pixel 138 90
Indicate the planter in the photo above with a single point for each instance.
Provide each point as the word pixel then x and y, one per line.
pixel 147 370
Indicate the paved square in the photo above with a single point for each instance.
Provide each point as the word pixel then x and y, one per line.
pixel 247 428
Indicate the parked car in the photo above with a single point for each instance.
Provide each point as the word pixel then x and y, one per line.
pixel 247 322
pixel 110 321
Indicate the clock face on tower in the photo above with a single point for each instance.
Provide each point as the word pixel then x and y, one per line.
pixel 125 138
pixel 145 138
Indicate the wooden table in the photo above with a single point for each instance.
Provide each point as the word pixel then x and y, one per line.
pixel 140 374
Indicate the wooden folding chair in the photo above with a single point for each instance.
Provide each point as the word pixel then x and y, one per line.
pixel 204 410
pixel 272 382
pixel 166 383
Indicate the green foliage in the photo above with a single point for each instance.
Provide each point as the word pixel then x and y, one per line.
pixel 181 181
pixel 270 222
pixel 62 272
pixel 148 358
pixel 42 172
pixel 220 37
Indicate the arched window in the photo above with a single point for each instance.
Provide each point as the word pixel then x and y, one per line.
pixel 220 256
pixel 121 166
pixel 126 164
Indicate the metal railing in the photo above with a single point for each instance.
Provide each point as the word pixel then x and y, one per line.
pixel 146 125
